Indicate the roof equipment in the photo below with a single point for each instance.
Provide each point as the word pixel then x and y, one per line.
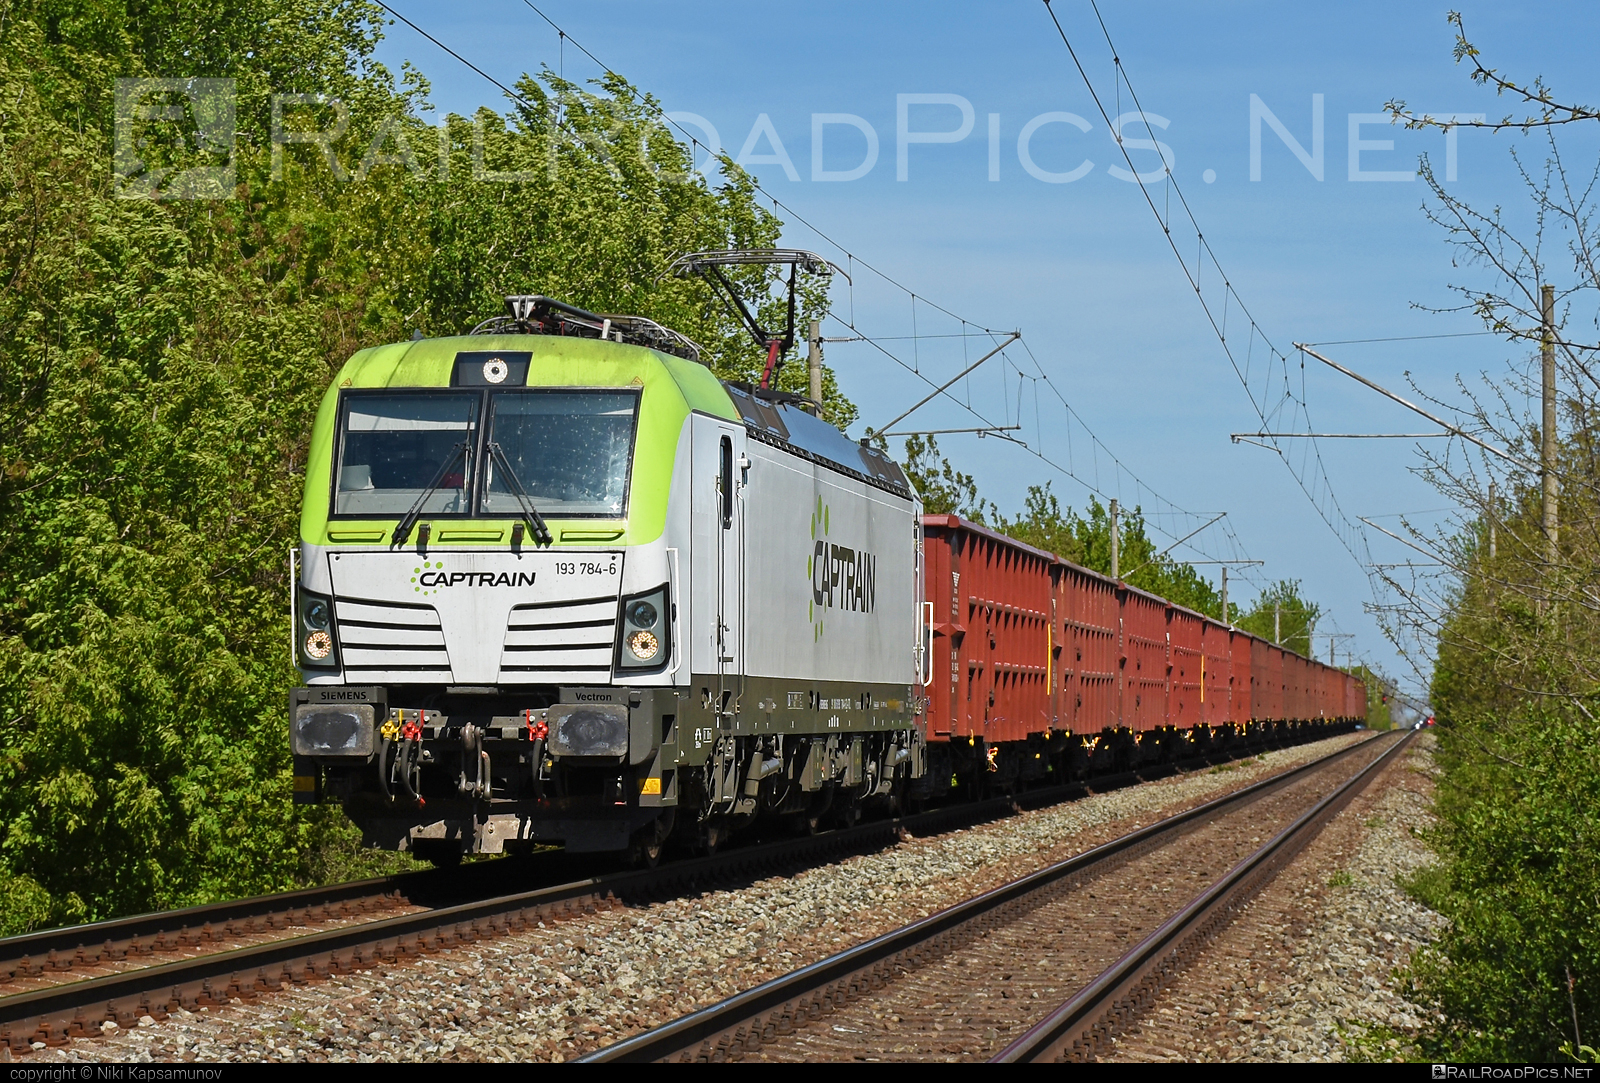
pixel 708 265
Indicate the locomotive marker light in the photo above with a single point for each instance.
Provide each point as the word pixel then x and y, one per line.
pixel 318 646
pixel 642 642
pixel 644 645
pixel 643 634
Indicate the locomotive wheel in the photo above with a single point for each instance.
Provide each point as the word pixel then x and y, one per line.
pixel 805 823
pixel 645 854
pixel 647 844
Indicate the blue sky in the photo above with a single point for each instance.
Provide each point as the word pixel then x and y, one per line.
pixel 1082 267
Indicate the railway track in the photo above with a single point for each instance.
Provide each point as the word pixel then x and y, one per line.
pixel 69 981
pixel 53 956
pixel 1043 968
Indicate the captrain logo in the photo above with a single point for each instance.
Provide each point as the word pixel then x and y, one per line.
pixel 819 522
pixel 430 578
pixel 841 577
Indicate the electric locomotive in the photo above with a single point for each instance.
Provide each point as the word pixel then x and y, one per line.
pixel 558 583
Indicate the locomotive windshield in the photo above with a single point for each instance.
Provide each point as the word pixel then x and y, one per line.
pixel 394 445
pixel 571 452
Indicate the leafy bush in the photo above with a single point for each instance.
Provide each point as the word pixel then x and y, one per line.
pixel 160 364
pixel 1519 803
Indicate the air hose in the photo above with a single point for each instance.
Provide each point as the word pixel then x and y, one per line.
pixel 408 750
pixel 409 756
pixel 383 767
pixel 538 733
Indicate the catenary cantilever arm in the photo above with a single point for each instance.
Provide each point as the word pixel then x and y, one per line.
pixel 946 385
pixel 1443 424
pixel 1173 546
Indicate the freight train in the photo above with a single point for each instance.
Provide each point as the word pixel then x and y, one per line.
pixel 557 583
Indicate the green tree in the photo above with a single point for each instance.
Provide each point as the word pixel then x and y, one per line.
pixel 1047 524
pixel 943 488
pixel 1282 615
pixel 160 365
pixel 1380 691
pixel 1514 621
pixel 1085 539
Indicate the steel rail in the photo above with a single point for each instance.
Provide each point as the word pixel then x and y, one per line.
pixel 1078 1025
pixel 725 1027
pixel 59 951
pixel 67 947
pixel 57 1013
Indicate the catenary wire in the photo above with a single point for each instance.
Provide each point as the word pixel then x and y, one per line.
pixel 915 366
pixel 854 260
pixel 1333 515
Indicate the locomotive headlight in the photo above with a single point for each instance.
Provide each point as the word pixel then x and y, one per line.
pixel 644 641
pixel 317 615
pixel 315 636
pixel 318 646
pixel 644 645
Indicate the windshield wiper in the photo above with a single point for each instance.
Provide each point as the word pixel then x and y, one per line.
pixel 403 530
pixel 540 532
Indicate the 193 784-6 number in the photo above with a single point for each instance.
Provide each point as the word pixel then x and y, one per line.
pixel 586 567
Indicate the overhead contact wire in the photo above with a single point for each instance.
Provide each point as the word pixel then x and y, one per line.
pixel 1191 276
pixel 853 259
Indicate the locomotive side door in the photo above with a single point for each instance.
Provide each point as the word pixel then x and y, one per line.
pixel 719 561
